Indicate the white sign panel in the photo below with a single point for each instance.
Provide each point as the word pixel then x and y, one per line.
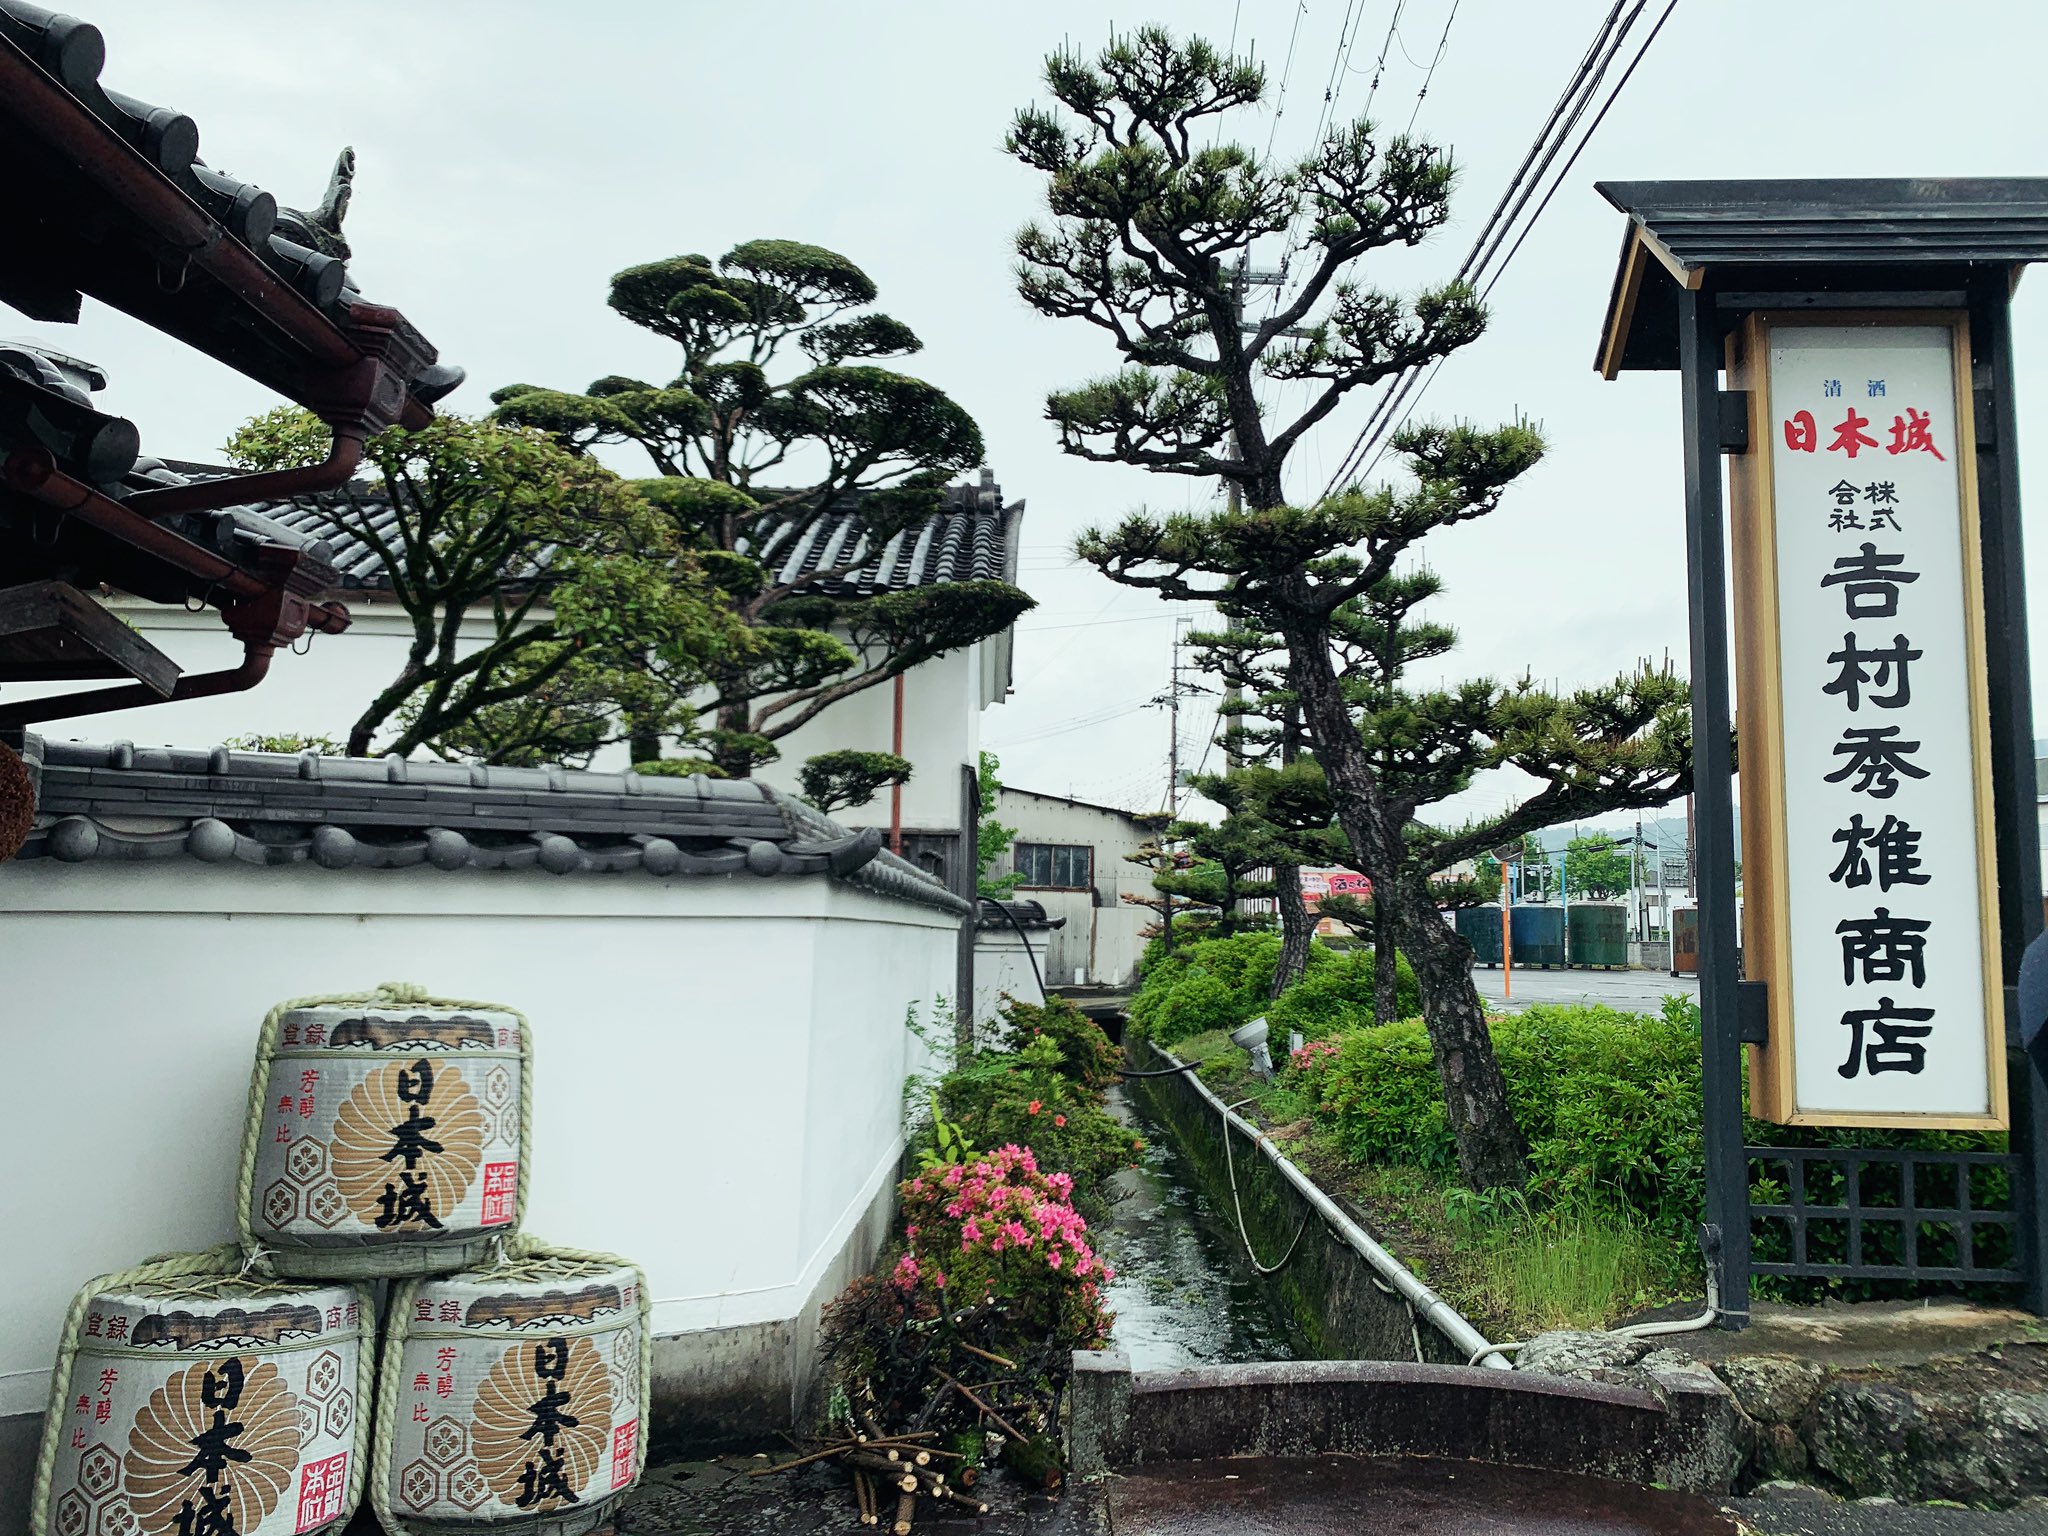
pixel 1876 599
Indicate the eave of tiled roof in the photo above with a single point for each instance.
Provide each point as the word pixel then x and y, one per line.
pixel 973 536
pixel 315 812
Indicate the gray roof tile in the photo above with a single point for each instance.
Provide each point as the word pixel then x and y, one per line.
pixel 390 813
pixel 972 537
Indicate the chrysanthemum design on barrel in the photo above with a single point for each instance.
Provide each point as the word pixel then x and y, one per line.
pixel 385 1139
pixel 210 1406
pixel 513 1397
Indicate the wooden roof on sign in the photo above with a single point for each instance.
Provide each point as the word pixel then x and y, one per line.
pixel 1899 232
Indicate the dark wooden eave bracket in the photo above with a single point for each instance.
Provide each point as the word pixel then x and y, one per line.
pixel 353 373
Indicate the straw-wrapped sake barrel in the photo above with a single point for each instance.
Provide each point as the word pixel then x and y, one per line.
pixel 386 1136
pixel 513 1398
pixel 201 1404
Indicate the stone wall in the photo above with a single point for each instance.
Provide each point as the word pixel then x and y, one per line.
pixel 1969 1428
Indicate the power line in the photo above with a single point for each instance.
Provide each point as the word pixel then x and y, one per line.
pixel 1598 118
pixel 1286 69
pixel 1404 382
pixel 1435 59
pixel 1136 618
pixel 1419 390
pixel 1076 723
pixel 1551 139
pixel 1379 67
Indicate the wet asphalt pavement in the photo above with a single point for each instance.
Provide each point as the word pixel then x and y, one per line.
pixel 1341 1494
pixel 1630 991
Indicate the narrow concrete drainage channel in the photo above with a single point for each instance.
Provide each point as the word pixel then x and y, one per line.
pixel 1183 1293
pixel 1331 1395
pixel 1333 1292
pixel 1272 1367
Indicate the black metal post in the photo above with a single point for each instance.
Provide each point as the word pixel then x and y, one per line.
pixel 2012 752
pixel 1699 366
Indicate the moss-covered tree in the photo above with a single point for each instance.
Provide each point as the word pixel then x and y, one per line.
pixel 1153 213
pixel 756 452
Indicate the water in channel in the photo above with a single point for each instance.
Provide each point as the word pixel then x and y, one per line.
pixel 1183 1293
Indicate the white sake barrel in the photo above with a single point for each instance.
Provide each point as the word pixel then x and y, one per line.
pixel 512 1398
pixel 207 1405
pixel 386 1136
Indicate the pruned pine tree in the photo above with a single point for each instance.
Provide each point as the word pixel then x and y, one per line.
pixel 779 418
pixel 846 779
pixel 1153 213
pixel 1175 892
pixel 1262 736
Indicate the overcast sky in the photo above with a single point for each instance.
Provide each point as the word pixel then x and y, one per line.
pixel 514 154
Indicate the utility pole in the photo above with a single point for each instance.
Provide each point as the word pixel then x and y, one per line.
pixel 1692 882
pixel 1635 877
pixel 1173 719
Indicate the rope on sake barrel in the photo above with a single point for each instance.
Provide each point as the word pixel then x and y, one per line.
pixel 390 994
pixel 223 1261
pixel 515 1262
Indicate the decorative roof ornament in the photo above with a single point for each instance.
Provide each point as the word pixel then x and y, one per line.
pixel 319 229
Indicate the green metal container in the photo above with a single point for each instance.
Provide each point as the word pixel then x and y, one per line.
pixel 1598 934
pixel 1480 927
pixel 1537 933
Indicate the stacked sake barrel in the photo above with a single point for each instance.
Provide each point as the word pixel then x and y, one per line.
pixel 385 1141
pixel 231 1393
pixel 191 1397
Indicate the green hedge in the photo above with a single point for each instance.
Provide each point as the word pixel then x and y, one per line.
pixel 1220 983
pixel 1610 1102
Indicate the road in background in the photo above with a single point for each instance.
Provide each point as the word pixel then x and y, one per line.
pixel 1635 991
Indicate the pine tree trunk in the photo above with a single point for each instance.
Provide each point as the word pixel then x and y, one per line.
pixel 1386 990
pixel 1296 928
pixel 1475 1092
pixel 1491 1148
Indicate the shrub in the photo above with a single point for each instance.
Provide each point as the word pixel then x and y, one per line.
pixel 995 1263
pixel 1337 994
pixel 1236 973
pixel 994 1228
pixel 1086 1053
pixel 1196 1003
pixel 1026 1097
pixel 1610 1102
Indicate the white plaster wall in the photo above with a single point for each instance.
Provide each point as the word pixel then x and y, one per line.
pixel 1001 966
pixel 718 1071
pixel 319 693
pixel 323 691
pixel 941 732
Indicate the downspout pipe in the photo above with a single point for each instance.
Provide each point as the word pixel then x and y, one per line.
pixel 896 789
pixel 254 667
pixel 269 485
pixel 32 472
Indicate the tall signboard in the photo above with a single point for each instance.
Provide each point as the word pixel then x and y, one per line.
pixel 1869 867
pixel 1844 353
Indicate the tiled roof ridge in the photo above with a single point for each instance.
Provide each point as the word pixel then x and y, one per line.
pixel 266 808
pixel 969 536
